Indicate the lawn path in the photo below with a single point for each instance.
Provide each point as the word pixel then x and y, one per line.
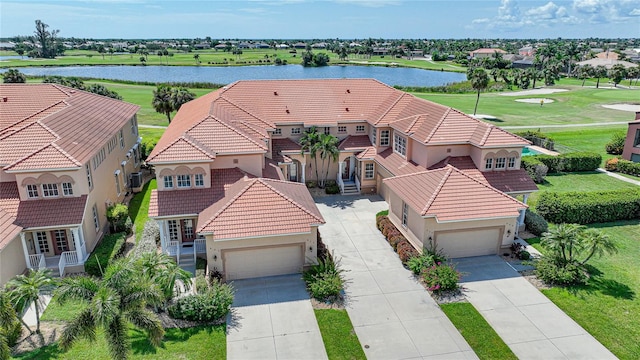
pixel 565 125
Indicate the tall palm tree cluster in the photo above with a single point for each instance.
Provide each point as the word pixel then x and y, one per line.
pixel 320 145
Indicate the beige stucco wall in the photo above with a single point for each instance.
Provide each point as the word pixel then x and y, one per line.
pixel 12 260
pixel 218 248
pixel 186 168
pixel 415 222
pixel 76 178
pixel 479 155
pixel 381 174
pixel 438 153
pixel 251 163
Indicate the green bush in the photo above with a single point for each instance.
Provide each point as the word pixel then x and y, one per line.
pixel 110 247
pixel 611 164
pixel 118 217
pixel 332 189
pixel 524 255
pixel 382 213
pixel 629 167
pixel 589 207
pixel 537 138
pixel 211 305
pixel 441 277
pixel 616 145
pixel 12 333
pixel 324 280
pixel 201 284
pixel 552 273
pixel 406 251
pixel 418 264
pixel 535 223
pixel 571 162
pixel 535 168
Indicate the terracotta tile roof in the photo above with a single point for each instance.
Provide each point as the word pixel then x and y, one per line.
pixel 40 213
pixel 77 122
pixel 354 143
pixel 182 149
pixel 396 164
pixel 367 154
pixel 49 157
pixel 193 201
pixel 281 146
pixel 508 181
pixel 449 194
pixel 272 170
pixel 8 229
pixel 257 207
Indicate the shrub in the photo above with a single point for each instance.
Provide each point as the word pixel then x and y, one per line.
pixel 629 167
pixel 616 145
pixel 118 217
pixel 552 273
pixel 332 189
pixel 395 240
pixel 611 164
pixel 589 207
pixel 381 221
pixel 324 280
pixel 441 277
pixel 418 264
pixel 537 138
pixel 211 305
pixel 148 241
pixel 535 223
pixel 311 184
pixel 110 247
pixel 406 251
pixel 12 333
pixel 535 168
pixel 146 147
pixel 524 255
pixel 570 162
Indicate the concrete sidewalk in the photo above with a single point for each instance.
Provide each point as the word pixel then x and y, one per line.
pixel 528 322
pixel 29 316
pixel 392 314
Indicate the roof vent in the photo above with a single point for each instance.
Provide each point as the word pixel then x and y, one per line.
pixel 275 93
pixel 348 91
pixel 287 111
pixel 346 109
pixel 5 99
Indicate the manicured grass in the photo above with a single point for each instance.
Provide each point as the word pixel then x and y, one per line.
pixel 340 341
pixel 608 307
pixel 139 207
pixel 591 139
pixel 484 341
pixel 57 312
pixel 204 342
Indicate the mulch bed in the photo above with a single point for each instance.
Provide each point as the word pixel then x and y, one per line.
pixel 50 332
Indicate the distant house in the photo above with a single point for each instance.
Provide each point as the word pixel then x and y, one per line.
pixel 320 45
pixel 485 52
pixel 608 63
pixel 282 46
pixel 262 45
pixel 220 46
pixel 380 51
pixel 299 45
pixel 526 51
pixel 608 55
pixel 244 45
pixel 632 144
pixel 202 45
pixel 7 45
pixel 523 63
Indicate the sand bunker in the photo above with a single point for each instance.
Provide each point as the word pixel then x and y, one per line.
pixel 623 107
pixel 533 92
pixel 484 116
pixel 536 100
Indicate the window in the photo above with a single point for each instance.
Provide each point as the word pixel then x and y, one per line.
pixel 60 237
pixel 277 132
pixel 188 228
pixel 368 171
pixel 50 190
pixel 384 137
pixel 67 190
pixel 41 240
pixel 112 144
pixel 173 230
pixel 374 132
pixel 359 128
pixel 512 163
pixel 327 130
pixel 636 142
pixel 118 182
pixel 342 129
pixel 96 220
pixel 89 179
pixel 500 163
pixel 134 125
pixel 121 140
pixel 405 214
pixel 488 164
pixel 32 191
pixel 168 182
pixel 184 181
pixel 400 144
pixel 295 131
pixel 199 180
pixel 99 158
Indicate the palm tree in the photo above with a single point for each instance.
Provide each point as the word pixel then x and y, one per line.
pixel 599 72
pixel 25 290
pixel 196 57
pixel 162 101
pixel 309 143
pixel 161 270
pixel 617 73
pixel 633 73
pixel 114 302
pixel 181 96
pixel 8 317
pixel 343 53
pixel 597 243
pixel 328 148
pixel 563 242
pixel 479 81
pixel 585 72
pixel 533 74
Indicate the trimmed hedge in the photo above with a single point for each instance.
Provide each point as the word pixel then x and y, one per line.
pixel 589 207
pixel 535 168
pixel 110 247
pixel 395 238
pixel 571 162
pixel 537 138
pixel 535 223
pixel 629 167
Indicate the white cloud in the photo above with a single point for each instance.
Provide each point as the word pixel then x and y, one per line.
pixel 635 12
pixel 606 11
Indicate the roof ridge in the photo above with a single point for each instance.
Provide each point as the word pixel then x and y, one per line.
pixel 436 191
pixel 487 185
pixel 263 181
pixel 66 154
pixel 195 143
pixel 438 124
pixel 241 109
pixel 487 132
pixel 250 183
pixel 34 153
pixel 37 121
pixel 402 94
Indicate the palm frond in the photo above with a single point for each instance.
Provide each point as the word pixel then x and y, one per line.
pixel 81 288
pixel 120 274
pixel 145 319
pixel 105 306
pixel 83 326
pixel 117 336
pixel 5 352
pixel 7 313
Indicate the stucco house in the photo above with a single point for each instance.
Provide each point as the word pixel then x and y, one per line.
pixel 246 136
pixel 65 155
pixel 632 144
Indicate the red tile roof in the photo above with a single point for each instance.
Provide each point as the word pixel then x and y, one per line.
pixel 182 149
pixel 49 157
pixel 8 229
pixel 272 170
pixel 279 148
pixel 258 207
pixel 396 164
pixel 354 143
pixel 367 154
pixel 449 194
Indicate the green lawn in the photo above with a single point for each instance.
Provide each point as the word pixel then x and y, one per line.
pixel 479 334
pixel 139 207
pixel 608 307
pixel 591 139
pixel 204 342
pixel 340 341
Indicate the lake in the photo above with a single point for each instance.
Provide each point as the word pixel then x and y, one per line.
pixel 224 75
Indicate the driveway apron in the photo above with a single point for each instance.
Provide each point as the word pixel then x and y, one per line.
pixel 392 314
pixel 528 322
pixel 272 318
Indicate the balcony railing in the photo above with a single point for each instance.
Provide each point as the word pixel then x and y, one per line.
pixel 67 258
pixel 173 249
pixel 37 262
pixel 199 247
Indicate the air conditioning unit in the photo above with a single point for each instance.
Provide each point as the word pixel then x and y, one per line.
pixel 135 181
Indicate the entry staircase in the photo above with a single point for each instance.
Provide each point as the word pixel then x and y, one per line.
pixel 350 188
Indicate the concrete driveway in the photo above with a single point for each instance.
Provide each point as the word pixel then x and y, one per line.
pixel 392 314
pixel 272 318
pixel 528 322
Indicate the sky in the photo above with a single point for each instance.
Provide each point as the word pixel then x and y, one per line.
pixel 323 19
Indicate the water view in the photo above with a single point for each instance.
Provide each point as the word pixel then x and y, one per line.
pixel 224 75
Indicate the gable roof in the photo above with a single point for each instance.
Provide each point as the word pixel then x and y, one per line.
pixel 49 157
pixel 449 194
pixel 182 149
pixel 258 207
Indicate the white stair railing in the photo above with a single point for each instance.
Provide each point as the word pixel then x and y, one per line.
pixel 61 265
pixel 199 247
pixel 358 184
pixel 340 182
pixel 43 262
pixel 36 261
pixel 173 249
pixel 70 257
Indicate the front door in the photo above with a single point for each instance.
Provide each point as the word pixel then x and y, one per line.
pixel 293 172
pixel 187 230
pixel 60 241
pixel 345 173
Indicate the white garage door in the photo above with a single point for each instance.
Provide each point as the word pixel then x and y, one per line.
pixel 469 243
pixel 280 260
